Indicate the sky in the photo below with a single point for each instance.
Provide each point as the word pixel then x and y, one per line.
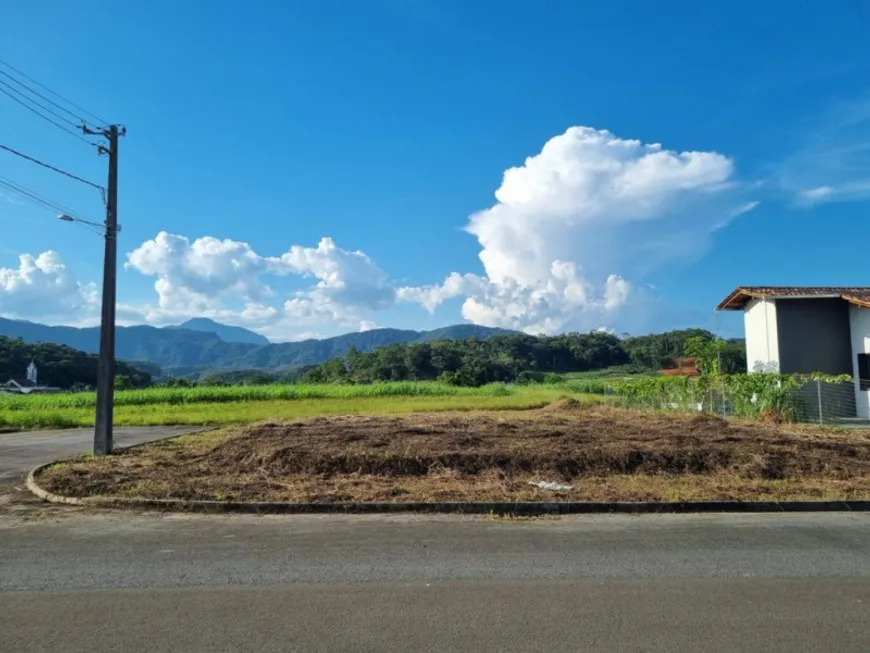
pixel 309 168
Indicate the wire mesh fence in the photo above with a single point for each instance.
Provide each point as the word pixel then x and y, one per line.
pixel 805 401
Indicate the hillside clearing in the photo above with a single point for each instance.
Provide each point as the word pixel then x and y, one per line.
pixel 603 453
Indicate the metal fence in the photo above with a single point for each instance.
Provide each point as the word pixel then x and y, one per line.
pixel 816 402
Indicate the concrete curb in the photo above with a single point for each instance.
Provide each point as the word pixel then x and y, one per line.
pixel 526 508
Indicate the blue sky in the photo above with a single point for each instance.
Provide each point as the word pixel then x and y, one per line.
pixel 314 166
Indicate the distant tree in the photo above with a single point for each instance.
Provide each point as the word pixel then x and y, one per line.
pixel 257 378
pixel 708 353
pixel 59 365
pixel 509 357
pixel 659 350
pixel 733 357
pixel 123 382
pixel 179 382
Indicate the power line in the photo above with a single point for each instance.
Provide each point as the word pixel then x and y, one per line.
pixel 51 205
pixel 51 167
pixel 34 196
pixel 46 118
pixel 26 101
pixel 41 96
pixel 24 98
pixel 54 93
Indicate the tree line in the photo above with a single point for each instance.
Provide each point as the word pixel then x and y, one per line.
pixel 60 366
pixel 661 350
pixel 470 362
pixel 518 357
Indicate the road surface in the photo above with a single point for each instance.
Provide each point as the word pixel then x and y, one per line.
pixel 132 582
pixel 23 450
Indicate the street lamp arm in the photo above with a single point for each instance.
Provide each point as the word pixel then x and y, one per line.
pixel 68 218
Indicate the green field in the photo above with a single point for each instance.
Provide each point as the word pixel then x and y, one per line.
pixel 244 404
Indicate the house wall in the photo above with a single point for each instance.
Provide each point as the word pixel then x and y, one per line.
pixel 814 336
pixel 762 343
pixel 859 319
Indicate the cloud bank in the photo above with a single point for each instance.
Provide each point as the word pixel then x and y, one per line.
pixel 205 276
pixel 570 234
pixel 43 286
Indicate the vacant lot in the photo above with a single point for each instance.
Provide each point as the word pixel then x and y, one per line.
pixel 603 453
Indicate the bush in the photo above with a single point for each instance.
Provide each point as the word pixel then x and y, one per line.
pixel 499 390
pixel 530 376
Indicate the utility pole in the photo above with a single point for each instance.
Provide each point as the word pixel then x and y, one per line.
pixel 103 440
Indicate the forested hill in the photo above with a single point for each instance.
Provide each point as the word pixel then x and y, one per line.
pixel 185 348
pixel 513 357
pixel 468 361
pixel 59 365
pixel 184 351
pixel 145 343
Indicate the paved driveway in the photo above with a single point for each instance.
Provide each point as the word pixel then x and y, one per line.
pixel 22 451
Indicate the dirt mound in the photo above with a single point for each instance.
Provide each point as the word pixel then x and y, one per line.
pixel 587 442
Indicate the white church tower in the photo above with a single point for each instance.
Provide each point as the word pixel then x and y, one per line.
pixel 31 373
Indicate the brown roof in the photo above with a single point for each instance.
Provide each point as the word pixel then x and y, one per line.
pixel 738 299
pixel 685 366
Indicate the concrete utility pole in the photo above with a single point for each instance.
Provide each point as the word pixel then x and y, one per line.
pixel 103 440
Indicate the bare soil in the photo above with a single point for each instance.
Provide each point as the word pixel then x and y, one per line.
pixel 603 453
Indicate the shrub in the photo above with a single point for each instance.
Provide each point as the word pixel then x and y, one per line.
pixel 530 376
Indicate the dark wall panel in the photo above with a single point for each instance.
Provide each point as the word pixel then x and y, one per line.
pixel 813 336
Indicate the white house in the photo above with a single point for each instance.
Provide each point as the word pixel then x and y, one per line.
pixel 27 385
pixel 795 330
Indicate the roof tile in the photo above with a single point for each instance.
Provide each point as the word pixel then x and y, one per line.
pixel 742 294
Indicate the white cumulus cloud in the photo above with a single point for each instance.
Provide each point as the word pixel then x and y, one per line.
pixel 196 276
pixel 347 281
pixel 205 276
pixel 42 287
pixel 570 222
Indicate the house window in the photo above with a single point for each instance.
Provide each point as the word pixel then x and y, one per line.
pixel 864 371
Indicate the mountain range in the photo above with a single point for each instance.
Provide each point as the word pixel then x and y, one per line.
pixel 225 332
pixel 199 345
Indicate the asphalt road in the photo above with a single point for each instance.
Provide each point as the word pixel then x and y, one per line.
pixel 124 582
pixel 23 450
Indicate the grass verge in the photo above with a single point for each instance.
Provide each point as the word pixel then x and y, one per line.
pixel 603 453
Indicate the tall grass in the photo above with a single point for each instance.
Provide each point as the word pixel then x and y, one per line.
pixel 211 395
pixel 38 412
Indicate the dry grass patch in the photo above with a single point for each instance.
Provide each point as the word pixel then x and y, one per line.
pixel 604 453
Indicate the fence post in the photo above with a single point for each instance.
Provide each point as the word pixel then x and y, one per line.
pixel 819 393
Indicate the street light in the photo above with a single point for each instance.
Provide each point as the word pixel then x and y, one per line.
pixel 68 218
pixel 103 436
